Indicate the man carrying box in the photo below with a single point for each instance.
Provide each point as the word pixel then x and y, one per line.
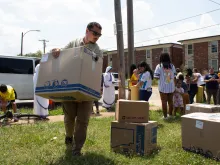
pixel 80 111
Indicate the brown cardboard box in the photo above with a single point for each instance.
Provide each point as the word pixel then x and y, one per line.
pixel 74 75
pixel 132 111
pixel 139 138
pixel 198 107
pixel 200 133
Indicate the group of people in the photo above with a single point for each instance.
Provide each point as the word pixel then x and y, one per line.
pixel 176 89
pixel 141 77
pixel 77 114
pixel 208 80
pixel 165 72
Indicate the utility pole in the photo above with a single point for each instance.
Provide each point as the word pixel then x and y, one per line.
pixel 44 44
pixel 130 25
pixel 120 49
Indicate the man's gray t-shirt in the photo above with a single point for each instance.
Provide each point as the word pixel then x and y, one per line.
pixel 79 42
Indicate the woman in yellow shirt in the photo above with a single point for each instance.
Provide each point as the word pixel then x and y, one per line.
pixel 133 79
pixel 8 94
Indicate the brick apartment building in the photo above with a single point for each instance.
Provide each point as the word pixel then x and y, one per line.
pixel 150 54
pixel 202 53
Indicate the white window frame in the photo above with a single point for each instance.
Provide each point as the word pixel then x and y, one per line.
pixel 188 64
pixel 189 49
pixel 215 69
pixel 165 50
pixel 212 43
pixel 148 53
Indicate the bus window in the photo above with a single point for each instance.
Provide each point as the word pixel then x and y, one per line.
pixel 16 66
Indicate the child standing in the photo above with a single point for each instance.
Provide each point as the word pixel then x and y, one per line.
pixel 185 95
pixel 177 97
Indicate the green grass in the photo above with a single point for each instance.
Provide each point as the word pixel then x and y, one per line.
pixel 54 112
pixel 34 144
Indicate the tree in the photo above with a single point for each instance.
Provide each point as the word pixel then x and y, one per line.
pixel 37 54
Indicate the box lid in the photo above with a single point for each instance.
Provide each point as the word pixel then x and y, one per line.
pixel 214 117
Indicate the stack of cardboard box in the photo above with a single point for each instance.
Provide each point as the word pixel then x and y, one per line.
pixel 200 134
pixel 132 132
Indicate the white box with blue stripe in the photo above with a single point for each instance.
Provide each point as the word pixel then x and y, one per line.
pixel 73 76
pixel 137 138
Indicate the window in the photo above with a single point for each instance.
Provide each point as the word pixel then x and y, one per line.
pixel 115 75
pixel 214 46
pixel 214 64
pixel 148 53
pixel 190 64
pixel 165 50
pixel 190 49
pixel 16 66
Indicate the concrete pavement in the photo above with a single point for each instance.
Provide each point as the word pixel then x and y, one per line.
pixel 154 99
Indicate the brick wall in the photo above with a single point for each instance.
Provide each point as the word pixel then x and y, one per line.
pixel 140 56
pixel 184 56
pixel 176 56
pixel 156 57
pixel 105 63
pixel 201 55
pixel 114 63
pixel 219 53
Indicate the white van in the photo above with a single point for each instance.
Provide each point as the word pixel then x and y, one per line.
pixel 18 71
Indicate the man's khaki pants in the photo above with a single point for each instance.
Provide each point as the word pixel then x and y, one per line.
pixel 76 119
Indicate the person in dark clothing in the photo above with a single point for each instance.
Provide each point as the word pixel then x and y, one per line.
pixel 185 94
pixel 191 80
pixel 96 102
pixel 211 80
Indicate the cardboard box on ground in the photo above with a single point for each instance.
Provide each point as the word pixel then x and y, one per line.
pixel 200 134
pixel 73 76
pixel 205 108
pixel 132 132
pixel 132 111
pixel 134 138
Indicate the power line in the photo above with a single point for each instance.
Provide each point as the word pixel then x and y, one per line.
pixel 178 20
pixel 173 21
pixel 179 33
pixel 214 2
pixel 173 34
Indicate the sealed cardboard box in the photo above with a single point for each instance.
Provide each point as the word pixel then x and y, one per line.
pixel 205 108
pixel 132 111
pixel 138 138
pixel 74 75
pixel 200 134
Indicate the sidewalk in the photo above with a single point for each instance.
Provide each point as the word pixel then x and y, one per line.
pixel 56 119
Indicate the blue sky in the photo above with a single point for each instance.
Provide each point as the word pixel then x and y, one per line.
pixel 63 21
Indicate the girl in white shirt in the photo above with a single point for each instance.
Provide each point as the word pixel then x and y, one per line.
pixel 145 82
